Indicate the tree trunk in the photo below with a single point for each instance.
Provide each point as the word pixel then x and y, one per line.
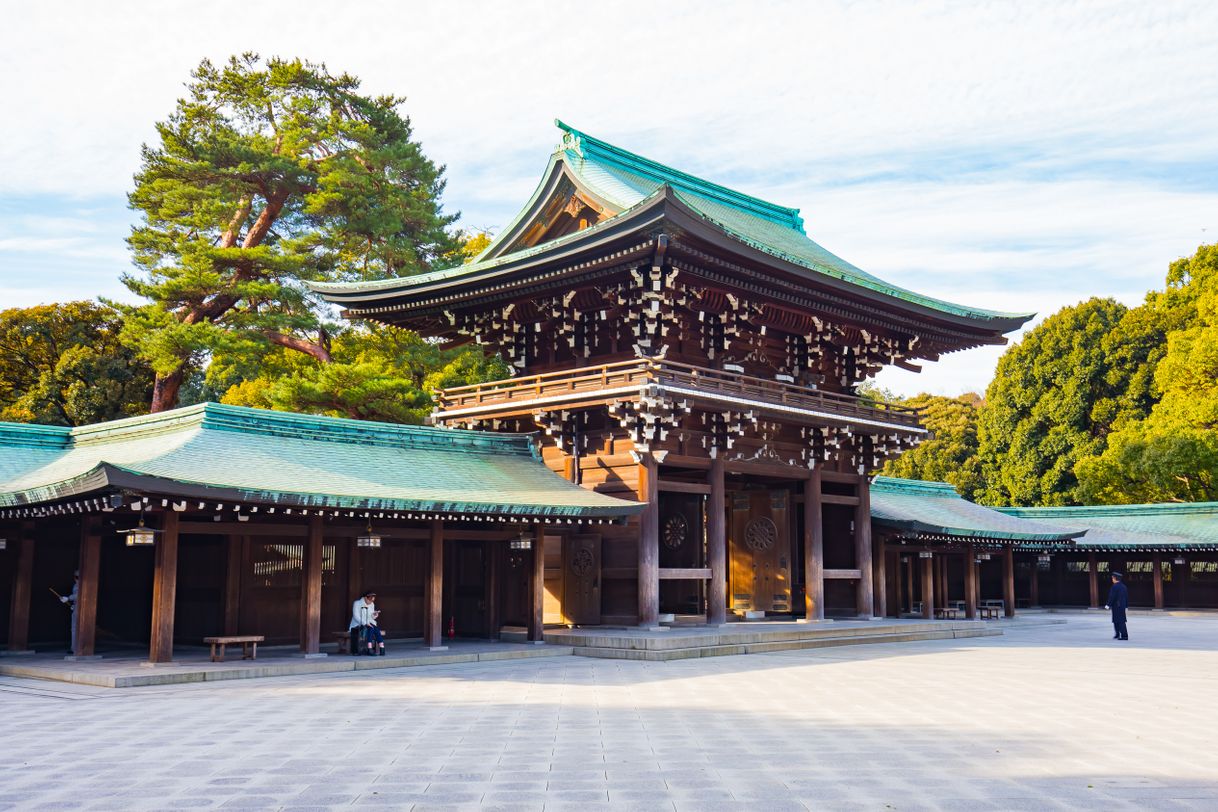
pixel 318 351
pixel 165 390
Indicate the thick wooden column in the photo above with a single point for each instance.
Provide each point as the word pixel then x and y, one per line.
pixel 928 588
pixel 716 544
pixel 310 590
pixel 970 582
pixel 1034 584
pixel 942 593
pixel 649 543
pixel 433 590
pixel 862 549
pixel 537 617
pixel 1158 564
pixel 909 580
pixel 880 578
pixel 1008 581
pixel 164 589
pixel 23 588
pixel 235 558
pixel 814 549
pixel 86 595
pixel 1093 580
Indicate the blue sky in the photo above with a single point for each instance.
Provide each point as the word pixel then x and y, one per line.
pixel 1008 156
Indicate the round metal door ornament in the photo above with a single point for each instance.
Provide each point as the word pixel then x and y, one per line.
pixel 760 534
pixel 675 531
pixel 582 563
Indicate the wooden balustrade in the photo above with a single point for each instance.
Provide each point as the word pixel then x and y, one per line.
pixel 639 372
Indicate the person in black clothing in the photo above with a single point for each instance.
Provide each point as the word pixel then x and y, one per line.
pixel 1118 602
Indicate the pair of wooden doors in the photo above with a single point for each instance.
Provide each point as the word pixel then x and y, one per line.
pixel 573 579
pixel 760 551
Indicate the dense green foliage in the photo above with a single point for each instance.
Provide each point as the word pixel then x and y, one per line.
pixel 952 455
pixel 267 176
pixel 1098 404
pixel 64 365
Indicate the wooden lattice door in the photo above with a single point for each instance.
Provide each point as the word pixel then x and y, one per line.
pixel 581 594
pixel 760 549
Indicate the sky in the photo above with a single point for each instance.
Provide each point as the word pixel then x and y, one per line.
pixel 1010 156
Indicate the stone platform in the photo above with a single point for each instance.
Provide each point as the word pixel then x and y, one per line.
pixel 123 669
pixel 679 643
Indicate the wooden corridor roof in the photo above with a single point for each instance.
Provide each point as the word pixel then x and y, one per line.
pixel 934 509
pixel 214 451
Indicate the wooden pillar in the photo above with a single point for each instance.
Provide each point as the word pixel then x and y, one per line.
pixel 814 549
pixel 537 618
pixel 310 590
pixel 909 580
pixel 1093 580
pixel 862 548
pixel 433 591
pixel 716 544
pixel 928 588
pixel 970 582
pixel 1008 581
pixel 86 595
pixel 164 589
pixel 649 543
pixel 23 589
pixel 1158 565
pixel 1034 584
pixel 880 578
pixel 941 591
pixel 899 581
pixel 232 584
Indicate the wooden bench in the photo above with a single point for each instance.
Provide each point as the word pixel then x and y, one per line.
pixel 344 641
pixel 987 612
pixel 947 613
pixel 249 646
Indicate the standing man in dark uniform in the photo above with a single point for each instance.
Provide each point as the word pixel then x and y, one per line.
pixel 1118 602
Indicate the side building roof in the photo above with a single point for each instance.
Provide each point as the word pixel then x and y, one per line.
pixel 934 510
pixel 233 453
pixel 1134 528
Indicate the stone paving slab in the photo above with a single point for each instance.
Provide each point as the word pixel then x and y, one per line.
pixel 1041 718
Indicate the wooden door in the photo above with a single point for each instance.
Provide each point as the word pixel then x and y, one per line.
pixel 760 551
pixel 581 594
pixel 467 605
pixel 682 546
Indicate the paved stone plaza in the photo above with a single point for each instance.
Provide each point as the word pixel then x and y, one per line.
pixel 1046 717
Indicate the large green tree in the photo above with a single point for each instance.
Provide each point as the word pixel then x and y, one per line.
pixel 267 175
pixel 63 364
pixel 952 455
pixel 1172 454
pixel 1056 397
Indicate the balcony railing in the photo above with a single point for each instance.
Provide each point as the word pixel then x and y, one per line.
pixel 620 378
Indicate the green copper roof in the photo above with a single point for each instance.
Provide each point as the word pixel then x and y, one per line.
pixel 623 181
pixel 934 508
pixel 1188 525
pixel 282 458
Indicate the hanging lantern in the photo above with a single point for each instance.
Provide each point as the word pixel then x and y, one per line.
pixel 983 557
pixel 3 544
pixel 523 542
pixel 1044 558
pixel 1179 562
pixel 140 536
pixel 368 538
pixel 925 554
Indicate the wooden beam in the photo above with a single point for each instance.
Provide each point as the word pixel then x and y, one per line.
pixel 86 596
pixel 433 591
pixel 836 499
pixel 310 589
pixel 862 548
pixel 684 573
pixel 234 560
pixel 766 469
pixel 814 549
pixel 1158 565
pixel 649 543
pixel 1008 581
pixel 1093 580
pixel 928 588
pixel 716 543
pixel 673 486
pixel 23 589
pixel 537 604
pixel 879 573
pixel 164 590
pixel 970 582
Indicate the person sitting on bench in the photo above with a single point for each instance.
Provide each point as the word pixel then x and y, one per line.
pixel 363 622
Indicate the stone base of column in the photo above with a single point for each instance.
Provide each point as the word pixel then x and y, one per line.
pixel 10 653
pixel 72 658
pixel 149 664
pixel 317 656
pixel 445 648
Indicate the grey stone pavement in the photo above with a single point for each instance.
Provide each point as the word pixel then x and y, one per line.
pixel 1045 717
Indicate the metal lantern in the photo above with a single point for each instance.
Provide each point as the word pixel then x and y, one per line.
pixel 1044 558
pixel 1179 562
pixel 983 557
pixel 524 542
pixel 925 554
pixel 140 536
pixel 3 544
pixel 368 538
